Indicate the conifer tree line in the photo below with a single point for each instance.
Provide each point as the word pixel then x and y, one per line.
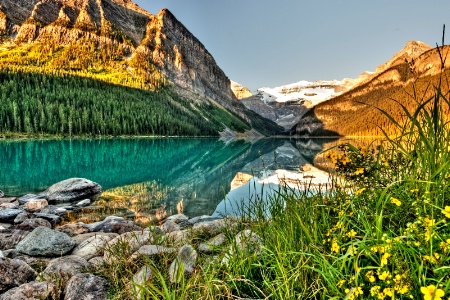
pixel 36 103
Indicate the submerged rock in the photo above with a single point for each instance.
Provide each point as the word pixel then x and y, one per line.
pixel 73 189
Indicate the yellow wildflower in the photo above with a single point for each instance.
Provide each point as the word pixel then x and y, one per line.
pixel 363 151
pixel 383 276
pixel 374 290
pixel 385 163
pixel 396 201
pixel 430 222
pixel 335 246
pixel 446 211
pixel 359 171
pixel 404 289
pixel 360 191
pixel 341 282
pixel 370 276
pixel 345 160
pixel 384 259
pixel 388 292
pixel 414 190
pixel 351 233
pixel 430 292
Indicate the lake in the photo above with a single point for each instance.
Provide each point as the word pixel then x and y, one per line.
pixel 148 178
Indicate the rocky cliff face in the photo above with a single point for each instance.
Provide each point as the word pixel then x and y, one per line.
pixel 160 41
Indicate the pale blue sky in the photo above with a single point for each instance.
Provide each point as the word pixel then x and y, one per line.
pixel 267 43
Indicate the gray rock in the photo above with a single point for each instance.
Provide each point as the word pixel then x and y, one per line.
pixel 152 250
pixel 155 230
pixel 73 189
pixel 2 194
pixel 91 247
pixel 65 267
pixel 113 224
pixel 43 241
pixel 9 238
pixel 14 272
pixel 4 226
pixel 23 216
pixel 186 259
pixel 144 275
pixel 31 291
pixel 82 237
pixel 53 219
pixel 178 238
pixel 214 242
pixel 178 218
pixel 1 255
pixel 199 219
pixel 211 227
pixel 249 241
pixel 73 229
pixel 30 224
pixel 35 205
pixel 28 198
pixel 86 287
pixel 83 203
pixel 96 262
pixel 170 226
pixel 34 262
pixel 9 214
pixel 134 241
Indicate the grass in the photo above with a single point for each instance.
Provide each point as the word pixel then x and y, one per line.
pixel 381 232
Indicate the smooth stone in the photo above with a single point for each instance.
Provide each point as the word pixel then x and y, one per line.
pixel 73 189
pixel 35 205
pixel 142 276
pixel 9 214
pixel 30 291
pixel 199 219
pixel 65 267
pixel 82 237
pixel 23 216
pixel 134 240
pixel 211 227
pixel 9 238
pixel 14 204
pixel 73 229
pixel 91 247
pixel 31 224
pixel 14 272
pixel 43 241
pixel 28 198
pixel 113 224
pixel 96 262
pixel 178 238
pixel 83 203
pixel 187 256
pixel 86 287
pixel 178 218
pixel 170 226
pixel 8 200
pixel 53 219
pixel 152 250
pixel 214 242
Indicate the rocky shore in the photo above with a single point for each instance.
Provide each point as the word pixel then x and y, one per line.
pixel 39 258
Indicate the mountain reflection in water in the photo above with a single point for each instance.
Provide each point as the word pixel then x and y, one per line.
pixel 147 179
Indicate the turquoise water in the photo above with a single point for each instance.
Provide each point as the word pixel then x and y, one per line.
pixel 155 173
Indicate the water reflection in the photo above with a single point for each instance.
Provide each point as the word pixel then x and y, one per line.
pixel 148 178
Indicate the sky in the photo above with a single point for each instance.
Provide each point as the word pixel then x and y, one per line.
pixel 268 43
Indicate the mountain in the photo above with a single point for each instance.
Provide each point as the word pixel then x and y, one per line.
pixel 285 105
pixel 414 70
pixel 117 42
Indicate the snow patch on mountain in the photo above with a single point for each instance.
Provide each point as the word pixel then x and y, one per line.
pixel 305 92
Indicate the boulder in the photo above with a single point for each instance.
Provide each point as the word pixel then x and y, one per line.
pixel 73 229
pixel 53 219
pixel 35 205
pixel 9 214
pixel 152 250
pixel 83 203
pixel 96 262
pixel 9 238
pixel 211 228
pixel 8 200
pixel 86 287
pixel 84 236
pixel 91 247
pixel 14 204
pixel 134 241
pixel 178 218
pixel 142 276
pixel 73 189
pixel 14 272
pixel 23 216
pixel 214 242
pixel 170 226
pixel 187 257
pixel 113 224
pixel 30 224
pixel 30 291
pixel 65 267
pixel 178 238
pixel 43 241
pixel 30 197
